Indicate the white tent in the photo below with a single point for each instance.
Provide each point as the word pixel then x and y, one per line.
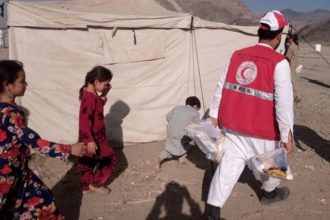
pixel 158 58
pixel 3 14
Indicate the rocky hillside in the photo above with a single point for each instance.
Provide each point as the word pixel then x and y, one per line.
pixel 313 26
pixel 226 11
pixel 318 33
pixel 302 19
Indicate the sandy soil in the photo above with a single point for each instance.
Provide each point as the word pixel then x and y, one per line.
pixel 138 192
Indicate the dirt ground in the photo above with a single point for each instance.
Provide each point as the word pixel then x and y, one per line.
pixel 138 192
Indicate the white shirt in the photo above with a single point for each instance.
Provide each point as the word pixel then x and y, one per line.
pixel 283 97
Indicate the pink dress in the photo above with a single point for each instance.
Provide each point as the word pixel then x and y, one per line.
pixel 94 169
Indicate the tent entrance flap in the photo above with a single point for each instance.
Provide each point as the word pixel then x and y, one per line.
pixel 128 46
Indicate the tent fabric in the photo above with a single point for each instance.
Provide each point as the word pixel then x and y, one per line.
pixel 155 68
pixel 200 23
pixel 82 14
pixel 139 45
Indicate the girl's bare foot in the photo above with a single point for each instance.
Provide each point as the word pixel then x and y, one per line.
pixel 86 191
pixel 102 189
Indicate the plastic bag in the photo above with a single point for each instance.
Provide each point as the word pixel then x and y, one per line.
pixel 273 163
pixel 299 68
pixel 208 138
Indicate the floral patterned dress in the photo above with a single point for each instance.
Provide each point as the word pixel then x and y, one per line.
pixel 22 193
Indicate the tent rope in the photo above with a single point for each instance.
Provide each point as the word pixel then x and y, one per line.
pixel 212 166
pixel 199 70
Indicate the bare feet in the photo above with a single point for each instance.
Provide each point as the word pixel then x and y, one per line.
pixel 86 191
pixel 102 189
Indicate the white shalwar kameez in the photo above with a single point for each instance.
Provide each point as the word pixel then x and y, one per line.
pixel 239 148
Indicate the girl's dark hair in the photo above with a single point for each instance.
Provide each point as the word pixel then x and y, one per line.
pixel 99 73
pixel 9 70
pixel 267 34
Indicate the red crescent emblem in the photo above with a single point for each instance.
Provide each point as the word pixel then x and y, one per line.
pixel 243 71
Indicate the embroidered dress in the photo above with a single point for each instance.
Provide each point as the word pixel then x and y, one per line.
pixel 22 194
pixel 94 169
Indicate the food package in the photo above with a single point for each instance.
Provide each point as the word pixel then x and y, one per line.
pixel 273 163
pixel 208 138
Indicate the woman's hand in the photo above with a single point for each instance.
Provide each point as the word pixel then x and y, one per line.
pixel 91 147
pixel 78 149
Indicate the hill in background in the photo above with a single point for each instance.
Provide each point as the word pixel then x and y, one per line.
pixel 314 26
pixel 317 33
pixel 301 19
pixel 225 11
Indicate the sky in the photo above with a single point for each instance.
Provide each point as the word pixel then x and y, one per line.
pixel 259 7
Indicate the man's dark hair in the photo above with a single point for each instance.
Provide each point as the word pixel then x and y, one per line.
pixel 193 100
pixel 267 34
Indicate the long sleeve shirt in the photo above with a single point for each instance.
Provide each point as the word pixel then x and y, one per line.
pixel 283 97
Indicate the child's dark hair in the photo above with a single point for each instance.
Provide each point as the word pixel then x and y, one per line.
pixel 9 70
pixel 192 101
pixel 99 73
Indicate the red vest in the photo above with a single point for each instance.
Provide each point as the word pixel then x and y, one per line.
pixel 247 104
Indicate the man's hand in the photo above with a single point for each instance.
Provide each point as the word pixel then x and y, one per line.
pixel 288 146
pixel 214 122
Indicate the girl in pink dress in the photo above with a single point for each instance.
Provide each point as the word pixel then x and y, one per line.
pixel 97 164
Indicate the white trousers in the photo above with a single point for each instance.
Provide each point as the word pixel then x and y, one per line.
pixel 238 150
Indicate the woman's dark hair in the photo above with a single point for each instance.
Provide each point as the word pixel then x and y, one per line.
pixel 267 34
pixel 193 100
pixel 99 73
pixel 295 39
pixel 9 70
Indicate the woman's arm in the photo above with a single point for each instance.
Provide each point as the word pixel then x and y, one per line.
pixel 14 122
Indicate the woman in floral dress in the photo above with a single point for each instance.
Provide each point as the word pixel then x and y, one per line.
pixel 22 194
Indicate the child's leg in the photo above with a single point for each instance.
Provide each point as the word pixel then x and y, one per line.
pixel 102 172
pixel 85 168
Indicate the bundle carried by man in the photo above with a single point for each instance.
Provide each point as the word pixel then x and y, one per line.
pixel 208 138
pixel 273 163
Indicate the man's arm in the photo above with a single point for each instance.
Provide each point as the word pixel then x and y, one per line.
pixel 284 103
pixel 214 107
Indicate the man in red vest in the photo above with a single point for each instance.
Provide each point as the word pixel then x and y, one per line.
pixel 253 103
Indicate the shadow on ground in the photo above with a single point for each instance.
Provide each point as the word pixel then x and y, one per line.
pixel 113 123
pixel 171 201
pixel 68 195
pixel 313 140
pixel 316 82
